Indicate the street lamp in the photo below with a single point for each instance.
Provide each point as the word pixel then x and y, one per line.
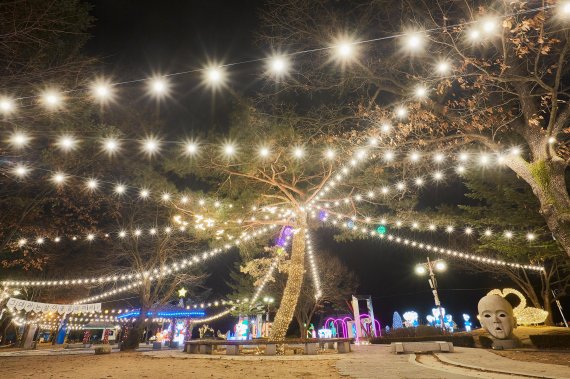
pixel 267 300
pixel 430 267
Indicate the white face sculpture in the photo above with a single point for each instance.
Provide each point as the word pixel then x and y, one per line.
pixel 496 316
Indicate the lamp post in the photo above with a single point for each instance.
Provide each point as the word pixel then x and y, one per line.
pixel 267 300
pixel 430 267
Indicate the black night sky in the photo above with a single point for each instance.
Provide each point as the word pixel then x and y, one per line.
pixel 135 39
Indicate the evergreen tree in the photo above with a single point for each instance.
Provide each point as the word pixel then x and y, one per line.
pixel 397 321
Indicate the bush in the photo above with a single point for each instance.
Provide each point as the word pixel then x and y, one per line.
pixel 460 341
pixel 550 341
pixel 420 331
pixel 486 342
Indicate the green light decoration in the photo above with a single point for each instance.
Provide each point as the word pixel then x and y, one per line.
pixel 381 229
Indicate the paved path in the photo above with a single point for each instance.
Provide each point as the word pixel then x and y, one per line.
pixel 372 361
pixel 376 361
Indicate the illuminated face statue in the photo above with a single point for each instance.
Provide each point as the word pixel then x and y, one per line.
pixel 496 316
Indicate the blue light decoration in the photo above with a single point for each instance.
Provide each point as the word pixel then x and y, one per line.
pixel 166 314
pixel 285 233
pixel 350 224
pixel 323 215
pixel 467 324
pixel 381 229
pixel 448 322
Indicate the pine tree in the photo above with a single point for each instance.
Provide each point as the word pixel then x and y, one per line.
pixel 397 321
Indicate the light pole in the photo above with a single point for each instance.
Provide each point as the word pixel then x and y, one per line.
pixel 430 267
pixel 267 300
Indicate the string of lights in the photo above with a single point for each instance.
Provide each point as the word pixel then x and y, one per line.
pixel 135 277
pixel 214 76
pixel 413 225
pixel 313 263
pixel 430 248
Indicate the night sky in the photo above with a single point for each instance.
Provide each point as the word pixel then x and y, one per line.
pixel 135 39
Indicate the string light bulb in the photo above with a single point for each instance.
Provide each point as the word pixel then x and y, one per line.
pixel 150 146
pixel 66 143
pixel 51 99
pixel 58 178
pixel 19 140
pixel 401 112
pixel 158 86
pixel 92 184
pixel 21 171
pixel 6 106
pixel 110 145
pixel 278 66
pixel 414 42
pixel 298 152
pixel 442 67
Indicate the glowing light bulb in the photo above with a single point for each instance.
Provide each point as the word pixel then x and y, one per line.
pixel 110 145
pixel 489 25
pixel 21 171
pixel 488 232
pixel 388 156
pixel 460 169
pixel 344 50
pixel 214 75
pixel 551 140
pixel 6 106
pixel 150 146
pixel 66 143
pixel 438 158
pixel 144 194
pixel 415 157
pixel 40 240
pixel 474 35
pixel 565 9
pixel 442 67
pixel 120 189
pixel 414 42
pixel 420 92
pixel 278 65
pixel 449 229
pixel 158 86
pixel 401 112
pixel 229 149
pixel 508 234
pixel 530 236
pixel 165 196
pixel 419 182
pixel 58 178
pixel 90 237
pixel 330 154
pixel 515 151
pixel 19 140
pixel 468 231
pixel 122 234
pixel 264 152
pixel 51 99
pixel 401 186
pixel 484 159
pixel 92 184
pixel 298 152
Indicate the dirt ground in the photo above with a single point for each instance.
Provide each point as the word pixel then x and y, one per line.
pixel 557 358
pixel 136 365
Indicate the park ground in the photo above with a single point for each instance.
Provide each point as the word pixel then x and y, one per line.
pixel 372 361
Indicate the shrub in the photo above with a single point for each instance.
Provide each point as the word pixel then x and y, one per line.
pixel 549 341
pixel 420 331
pixel 486 342
pixel 460 341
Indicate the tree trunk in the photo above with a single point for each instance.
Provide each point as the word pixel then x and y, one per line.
pixel 548 182
pixel 294 282
pixel 134 333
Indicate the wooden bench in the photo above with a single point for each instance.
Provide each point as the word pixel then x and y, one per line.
pixel 310 345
